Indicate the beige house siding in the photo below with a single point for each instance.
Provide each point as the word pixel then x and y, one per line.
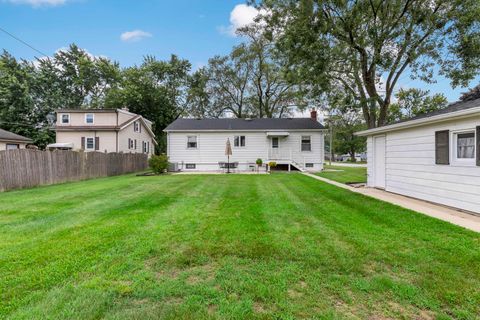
pixel 99 119
pixel 3 145
pixel 107 139
pixel 140 137
pixel 112 137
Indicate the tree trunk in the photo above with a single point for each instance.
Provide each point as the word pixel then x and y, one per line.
pixel 352 155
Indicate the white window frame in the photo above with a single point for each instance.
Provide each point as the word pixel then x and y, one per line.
pixel 93 118
pixel 130 144
pixel 86 143
pixel 68 117
pixel 196 142
pixel 470 162
pixel 136 126
pixel 301 143
pixel 240 141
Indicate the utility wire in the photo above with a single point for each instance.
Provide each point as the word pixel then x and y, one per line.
pixel 23 42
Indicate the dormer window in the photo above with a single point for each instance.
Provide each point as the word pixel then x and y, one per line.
pixel 65 119
pixel 89 118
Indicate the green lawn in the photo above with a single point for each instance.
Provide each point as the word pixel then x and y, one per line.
pixel 282 246
pixel 345 174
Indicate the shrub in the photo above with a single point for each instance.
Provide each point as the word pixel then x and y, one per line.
pixel 158 164
pixel 272 164
pixel 259 162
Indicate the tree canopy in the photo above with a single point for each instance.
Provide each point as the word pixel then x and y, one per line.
pixel 367 46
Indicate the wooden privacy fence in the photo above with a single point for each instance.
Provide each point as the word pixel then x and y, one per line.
pixel 26 168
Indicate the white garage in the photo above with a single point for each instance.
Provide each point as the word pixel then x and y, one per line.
pixel 434 157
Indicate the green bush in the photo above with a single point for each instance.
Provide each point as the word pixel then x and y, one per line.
pixel 259 162
pixel 158 164
pixel 272 164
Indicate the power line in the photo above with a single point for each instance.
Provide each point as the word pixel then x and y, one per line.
pixel 23 42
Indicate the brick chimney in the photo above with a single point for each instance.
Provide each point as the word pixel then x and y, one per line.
pixel 313 114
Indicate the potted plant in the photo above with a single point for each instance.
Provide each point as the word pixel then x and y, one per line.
pixel 259 163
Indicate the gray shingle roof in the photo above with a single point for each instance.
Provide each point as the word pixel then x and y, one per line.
pixel 244 124
pixel 453 107
pixel 10 136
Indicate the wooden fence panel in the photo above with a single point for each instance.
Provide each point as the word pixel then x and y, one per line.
pixel 25 168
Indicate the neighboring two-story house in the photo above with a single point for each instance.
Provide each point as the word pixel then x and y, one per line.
pixel 103 130
pixel 199 144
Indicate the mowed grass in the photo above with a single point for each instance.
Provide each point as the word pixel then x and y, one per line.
pixel 281 246
pixel 345 174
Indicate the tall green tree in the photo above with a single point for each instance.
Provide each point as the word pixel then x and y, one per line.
pixel 75 79
pixel 229 79
pixel 22 110
pixel 362 43
pixel 345 120
pixel 157 90
pixel 248 82
pixel 414 102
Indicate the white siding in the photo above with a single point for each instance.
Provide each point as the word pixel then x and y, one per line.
pixel 211 149
pixel 411 168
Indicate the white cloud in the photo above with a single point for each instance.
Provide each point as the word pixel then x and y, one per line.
pixel 242 15
pixel 135 35
pixel 38 3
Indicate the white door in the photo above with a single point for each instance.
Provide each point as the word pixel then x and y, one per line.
pixel 274 150
pixel 379 162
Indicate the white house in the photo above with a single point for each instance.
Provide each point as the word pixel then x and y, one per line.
pixel 434 157
pixel 199 144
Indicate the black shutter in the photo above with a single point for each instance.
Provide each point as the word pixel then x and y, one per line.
pixel 442 147
pixel 97 143
pixel 83 143
pixel 478 146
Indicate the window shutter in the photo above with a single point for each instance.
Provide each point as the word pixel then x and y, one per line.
pixel 135 144
pixel 83 143
pixel 97 143
pixel 478 145
pixel 442 147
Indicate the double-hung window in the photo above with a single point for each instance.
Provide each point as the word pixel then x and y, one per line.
pixel 464 147
pixel 89 118
pixel 90 143
pixel 306 143
pixel 239 141
pixel 65 119
pixel 192 142
pixel 136 126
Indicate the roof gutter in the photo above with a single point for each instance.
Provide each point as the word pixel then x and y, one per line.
pixel 419 122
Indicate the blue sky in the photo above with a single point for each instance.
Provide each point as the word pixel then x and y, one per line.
pixel 195 30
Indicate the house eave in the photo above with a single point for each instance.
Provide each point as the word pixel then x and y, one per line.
pixel 245 130
pixel 16 141
pixel 420 122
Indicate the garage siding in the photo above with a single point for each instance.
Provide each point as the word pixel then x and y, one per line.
pixel 411 168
